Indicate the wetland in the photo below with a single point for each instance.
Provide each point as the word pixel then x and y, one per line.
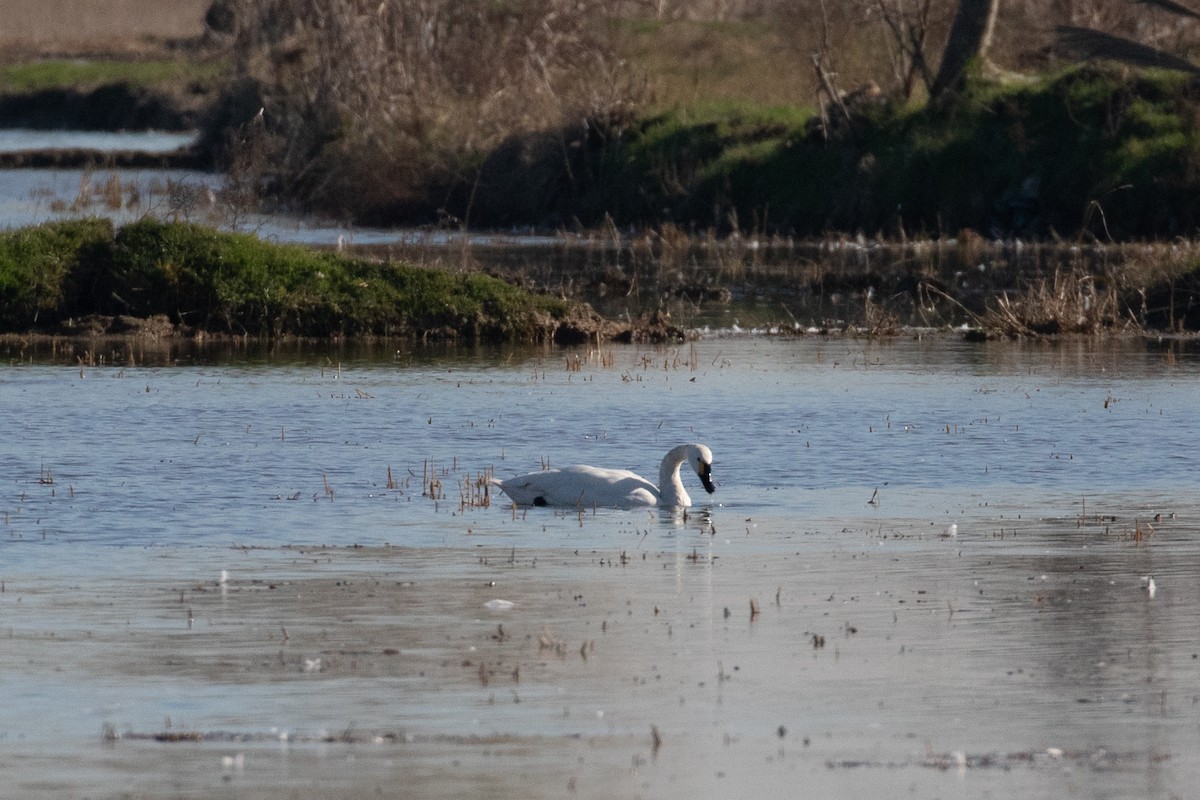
pixel 927 565
pixel 952 551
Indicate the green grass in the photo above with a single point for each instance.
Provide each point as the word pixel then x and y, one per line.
pixel 83 74
pixel 238 284
pixel 44 270
pixel 678 164
pixel 1091 139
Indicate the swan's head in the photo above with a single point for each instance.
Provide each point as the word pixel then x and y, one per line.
pixel 701 458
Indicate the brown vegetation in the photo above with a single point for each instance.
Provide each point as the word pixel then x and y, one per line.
pixel 1067 302
pixel 366 102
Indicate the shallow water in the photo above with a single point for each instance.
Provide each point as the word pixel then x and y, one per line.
pixel 349 647
pixel 32 196
pixel 14 140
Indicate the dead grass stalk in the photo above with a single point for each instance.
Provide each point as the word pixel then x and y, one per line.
pixel 1066 302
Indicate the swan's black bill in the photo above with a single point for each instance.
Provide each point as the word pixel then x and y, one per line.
pixel 706 479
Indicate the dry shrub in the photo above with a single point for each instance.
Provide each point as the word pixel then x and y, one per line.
pixel 371 103
pixel 1068 302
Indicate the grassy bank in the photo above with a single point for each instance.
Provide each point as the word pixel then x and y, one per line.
pixel 699 125
pixel 532 114
pixel 110 94
pixel 1094 152
pixel 81 276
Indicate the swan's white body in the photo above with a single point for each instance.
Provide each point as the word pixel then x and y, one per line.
pixel 582 486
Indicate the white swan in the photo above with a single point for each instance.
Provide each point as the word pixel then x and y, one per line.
pixel 582 486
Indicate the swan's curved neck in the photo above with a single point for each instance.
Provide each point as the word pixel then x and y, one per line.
pixel 670 487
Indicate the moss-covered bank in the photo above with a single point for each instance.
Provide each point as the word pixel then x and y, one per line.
pixel 80 276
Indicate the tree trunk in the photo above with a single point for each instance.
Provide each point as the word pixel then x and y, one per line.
pixel 970 37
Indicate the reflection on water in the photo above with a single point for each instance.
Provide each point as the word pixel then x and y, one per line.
pixel 278 555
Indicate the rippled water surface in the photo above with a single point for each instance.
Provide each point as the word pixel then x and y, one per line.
pixel 926 572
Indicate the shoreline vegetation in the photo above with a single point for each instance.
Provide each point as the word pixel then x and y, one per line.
pixel 1040 197
pixel 85 278
pixel 533 114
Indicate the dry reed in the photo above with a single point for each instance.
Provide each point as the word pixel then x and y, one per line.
pixel 1067 302
pixel 475 491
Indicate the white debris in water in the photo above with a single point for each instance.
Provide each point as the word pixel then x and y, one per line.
pixel 498 605
pixel 1054 752
pixel 224 579
pixel 1151 588
pixel 312 665
pixel 952 529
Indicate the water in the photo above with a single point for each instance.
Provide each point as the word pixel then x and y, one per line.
pixel 15 140
pixel 33 196
pixel 349 647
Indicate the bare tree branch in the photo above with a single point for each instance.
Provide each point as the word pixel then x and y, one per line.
pixel 1085 43
pixel 1169 5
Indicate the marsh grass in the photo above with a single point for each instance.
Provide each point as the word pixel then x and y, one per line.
pixel 1004 286
pixel 47 271
pixel 877 286
pixel 101 191
pixel 1066 302
pixel 237 284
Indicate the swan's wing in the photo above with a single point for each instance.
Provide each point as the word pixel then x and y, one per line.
pixel 530 489
pixel 581 486
pixel 611 488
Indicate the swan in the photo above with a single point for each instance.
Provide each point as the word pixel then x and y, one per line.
pixel 582 486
